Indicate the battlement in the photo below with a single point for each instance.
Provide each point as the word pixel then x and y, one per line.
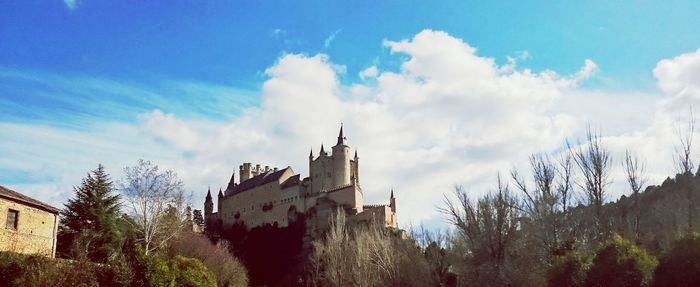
pixel 248 171
pixel 370 206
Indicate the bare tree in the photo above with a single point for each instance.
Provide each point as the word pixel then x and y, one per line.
pixel 683 159
pixel 352 255
pixel 156 201
pixel 593 160
pixel 487 227
pixel 564 188
pixel 541 204
pixel 635 172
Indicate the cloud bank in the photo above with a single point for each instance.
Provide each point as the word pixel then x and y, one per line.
pixel 447 116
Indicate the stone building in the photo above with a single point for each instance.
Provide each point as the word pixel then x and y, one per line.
pixel 275 196
pixel 30 225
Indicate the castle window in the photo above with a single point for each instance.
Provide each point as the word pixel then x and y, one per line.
pixel 12 219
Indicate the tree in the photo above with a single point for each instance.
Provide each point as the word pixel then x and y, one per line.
pixel 621 263
pixel 541 204
pixel 635 172
pixel 684 161
pixel 681 265
pixel 198 219
pixel 564 188
pixel 593 160
pixel 370 255
pixel 486 229
pixel 156 202
pixel 90 218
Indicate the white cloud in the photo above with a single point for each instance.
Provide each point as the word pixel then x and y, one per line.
pixel 71 4
pixel 368 73
pixel 329 40
pixel 170 129
pixel 447 116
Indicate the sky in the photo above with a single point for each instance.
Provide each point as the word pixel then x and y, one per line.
pixel 432 95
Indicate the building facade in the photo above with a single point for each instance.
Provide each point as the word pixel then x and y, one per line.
pixel 30 226
pixel 278 197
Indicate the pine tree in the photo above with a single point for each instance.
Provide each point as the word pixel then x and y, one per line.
pixel 90 218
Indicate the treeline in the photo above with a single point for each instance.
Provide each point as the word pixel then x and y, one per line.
pixel 136 232
pixel 550 226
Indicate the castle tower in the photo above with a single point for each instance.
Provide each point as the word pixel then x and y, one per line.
pixel 220 200
pixel 340 162
pixel 208 205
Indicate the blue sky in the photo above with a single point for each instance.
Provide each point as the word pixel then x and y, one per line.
pixel 83 82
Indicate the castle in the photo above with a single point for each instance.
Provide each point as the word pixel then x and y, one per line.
pixel 279 196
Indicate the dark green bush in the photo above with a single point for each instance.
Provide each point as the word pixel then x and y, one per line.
pixel 681 265
pixel 190 272
pixel 568 270
pixel 621 263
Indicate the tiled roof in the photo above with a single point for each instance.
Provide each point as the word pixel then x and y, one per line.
pixel 291 181
pixel 16 196
pixel 256 181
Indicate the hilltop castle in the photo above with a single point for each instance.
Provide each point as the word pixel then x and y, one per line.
pixel 279 196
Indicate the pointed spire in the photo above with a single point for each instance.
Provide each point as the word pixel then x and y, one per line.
pixel 340 136
pixel 311 153
pixel 322 151
pixel 356 154
pixel 392 193
pixel 221 194
pixel 209 193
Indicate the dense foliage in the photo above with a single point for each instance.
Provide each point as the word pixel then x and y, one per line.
pixel 621 263
pixel 272 255
pixel 680 266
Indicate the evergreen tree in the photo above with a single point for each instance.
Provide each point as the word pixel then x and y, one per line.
pixel 197 218
pixel 90 218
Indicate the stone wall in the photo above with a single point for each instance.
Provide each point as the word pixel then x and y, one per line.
pixel 36 229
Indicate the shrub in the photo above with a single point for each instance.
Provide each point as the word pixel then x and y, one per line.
pixel 568 270
pixel 34 270
pixel 228 270
pixel 157 271
pixel 621 263
pixel 681 265
pixel 190 272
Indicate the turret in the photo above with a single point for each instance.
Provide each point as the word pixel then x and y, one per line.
pixel 220 200
pixel 246 171
pixel 311 155
pixel 356 169
pixel 208 204
pixel 392 201
pixel 341 161
pixel 341 138
pixel 231 183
